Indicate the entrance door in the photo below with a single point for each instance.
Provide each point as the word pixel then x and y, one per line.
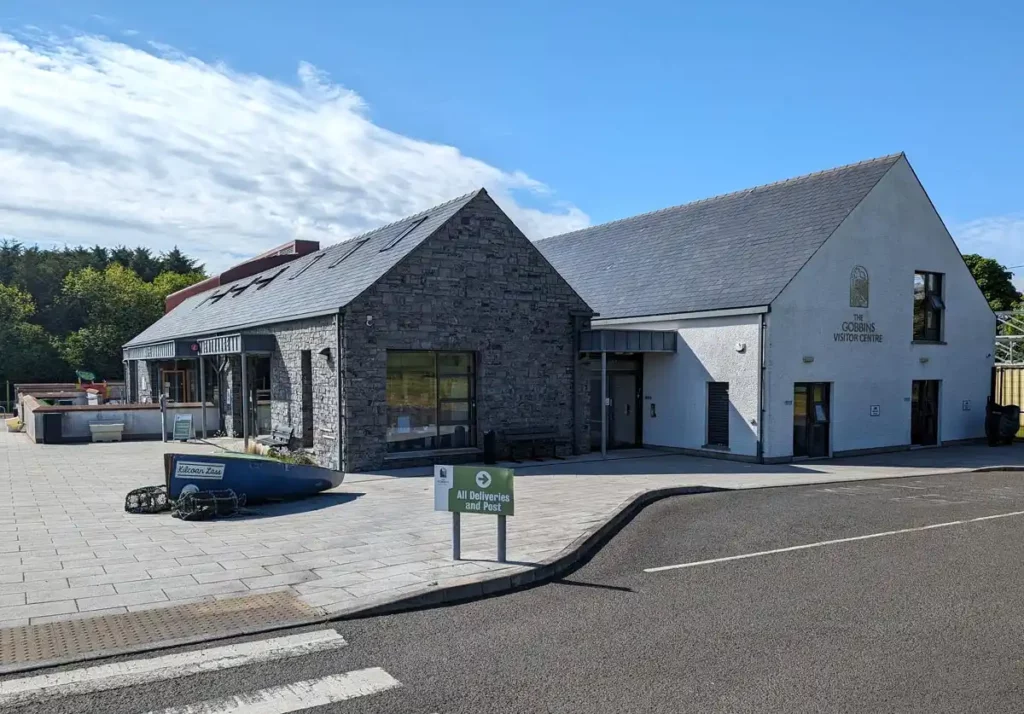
pixel 176 385
pixel 924 413
pixel 624 426
pixel 623 411
pixel 812 413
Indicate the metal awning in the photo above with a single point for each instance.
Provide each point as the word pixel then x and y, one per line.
pixel 237 344
pixel 203 347
pixel 627 341
pixel 171 349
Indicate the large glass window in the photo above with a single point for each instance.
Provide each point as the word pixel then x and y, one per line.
pixel 928 306
pixel 430 400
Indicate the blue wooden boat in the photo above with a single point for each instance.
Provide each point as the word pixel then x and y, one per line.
pixel 258 477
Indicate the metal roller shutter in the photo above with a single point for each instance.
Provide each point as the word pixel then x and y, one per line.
pixel 718 414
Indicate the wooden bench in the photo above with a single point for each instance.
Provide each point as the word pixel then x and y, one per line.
pixel 533 435
pixel 279 437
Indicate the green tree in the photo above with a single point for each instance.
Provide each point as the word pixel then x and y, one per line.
pixel 27 353
pixel 10 257
pixel 117 305
pixel 174 261
pixel 995 281
pixel 144 264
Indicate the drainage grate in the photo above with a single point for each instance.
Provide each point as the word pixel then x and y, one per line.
pixel 34 646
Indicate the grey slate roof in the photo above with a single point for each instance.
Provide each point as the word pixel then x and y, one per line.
pixel 318 290
pixel 736 250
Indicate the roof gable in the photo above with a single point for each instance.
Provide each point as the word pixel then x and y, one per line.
pixel 731 251
pixel 316 284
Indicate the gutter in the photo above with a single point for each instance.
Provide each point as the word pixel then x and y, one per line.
pixel 763 376
pixel 233 328
pixel 339 368
pixel 702 314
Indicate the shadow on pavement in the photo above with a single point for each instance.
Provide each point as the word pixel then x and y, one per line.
pixel 304 505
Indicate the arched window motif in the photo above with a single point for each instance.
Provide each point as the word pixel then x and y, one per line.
pixel 859 286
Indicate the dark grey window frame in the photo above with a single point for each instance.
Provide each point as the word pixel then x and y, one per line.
pixel 469 400
pixel 405 231
pixel 316 259
pixel 356 245
pixel 930 308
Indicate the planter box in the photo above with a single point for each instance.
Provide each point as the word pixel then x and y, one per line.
pixel 106 431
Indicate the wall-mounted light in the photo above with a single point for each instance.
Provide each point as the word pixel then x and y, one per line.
pixel 741 347
pixel 369 320
pixel 808 358
pixel 325 352
pixel 924 360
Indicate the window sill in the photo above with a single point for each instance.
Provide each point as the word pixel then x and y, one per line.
pixel 431 453
pixel 927 342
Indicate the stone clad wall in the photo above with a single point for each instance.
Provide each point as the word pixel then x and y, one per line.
pixel 231 402
pixel 477 285
pixel 144 391
pixel 286 382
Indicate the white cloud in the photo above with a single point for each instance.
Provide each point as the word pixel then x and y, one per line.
pixel 105 143
pixel 1001 238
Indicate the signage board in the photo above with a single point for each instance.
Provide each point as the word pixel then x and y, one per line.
pixel 182 427
pixel 474 489
pixel 199 470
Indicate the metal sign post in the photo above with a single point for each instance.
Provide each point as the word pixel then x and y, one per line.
pixel 471 489
pixel 501 540
pixel 163 417
pixel 456 536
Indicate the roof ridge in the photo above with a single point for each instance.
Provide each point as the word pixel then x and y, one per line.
pixel 751 189
pixel 327 249
pixel 403 219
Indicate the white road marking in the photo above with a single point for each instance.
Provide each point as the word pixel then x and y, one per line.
pixel 297 696
pixel 144 671
pixel 823 543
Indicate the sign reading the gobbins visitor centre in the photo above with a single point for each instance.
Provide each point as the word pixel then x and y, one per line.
pixel 859 329
pixel 474 489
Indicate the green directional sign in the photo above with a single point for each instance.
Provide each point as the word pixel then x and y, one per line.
pixel 474 489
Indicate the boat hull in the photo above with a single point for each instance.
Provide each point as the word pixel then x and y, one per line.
pixel 260 479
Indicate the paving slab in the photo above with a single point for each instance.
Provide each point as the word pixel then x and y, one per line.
pixel 373 540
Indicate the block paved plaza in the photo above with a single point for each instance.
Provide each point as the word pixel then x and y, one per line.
pixel 70 551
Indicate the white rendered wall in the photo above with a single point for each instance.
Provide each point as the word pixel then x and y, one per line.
pixel 892 233
pixel 676 384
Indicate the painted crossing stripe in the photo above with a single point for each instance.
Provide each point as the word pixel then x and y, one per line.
pixel 144 671
pixel 823 543
pixel 298 696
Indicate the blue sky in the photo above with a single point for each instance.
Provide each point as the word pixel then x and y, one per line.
pixel 574 114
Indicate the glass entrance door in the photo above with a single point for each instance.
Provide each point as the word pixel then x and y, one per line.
pixel 812 412
pixel 176 385
pixel 924 413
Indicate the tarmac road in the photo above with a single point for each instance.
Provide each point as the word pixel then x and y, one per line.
pixel 923 616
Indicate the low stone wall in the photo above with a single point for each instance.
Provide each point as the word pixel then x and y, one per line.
pixel 141 421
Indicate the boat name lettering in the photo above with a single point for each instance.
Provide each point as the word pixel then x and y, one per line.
pixel 193 469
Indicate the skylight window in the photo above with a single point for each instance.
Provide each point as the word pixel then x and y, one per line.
pixel 395 241
pixel 307 266
pixel 264 280
pixel 351 249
